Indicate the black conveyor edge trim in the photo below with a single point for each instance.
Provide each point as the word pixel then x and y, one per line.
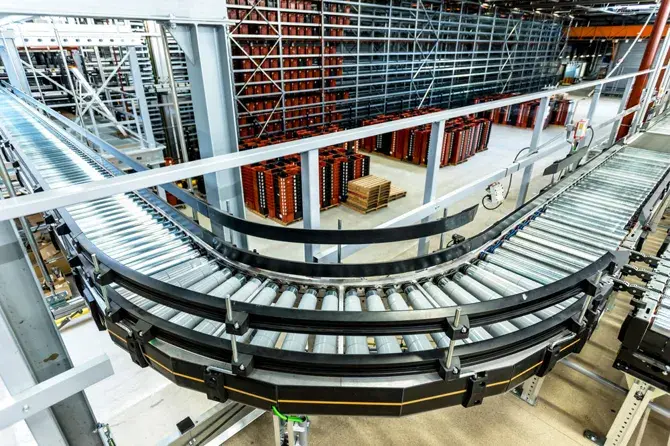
pixel 349 365
pixel 363 323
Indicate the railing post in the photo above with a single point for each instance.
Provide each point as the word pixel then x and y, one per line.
pixel 540 116
pixel 430 187
pixel 622 108
pixel 311 207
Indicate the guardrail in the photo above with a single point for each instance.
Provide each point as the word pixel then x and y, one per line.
pixel 164 176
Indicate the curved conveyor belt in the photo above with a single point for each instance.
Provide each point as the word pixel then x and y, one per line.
pixel 353 346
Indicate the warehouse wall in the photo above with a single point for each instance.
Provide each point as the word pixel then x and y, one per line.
pixel 631 63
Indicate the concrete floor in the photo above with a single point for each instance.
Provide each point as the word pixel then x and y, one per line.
pixel 142 407
pixel 504 144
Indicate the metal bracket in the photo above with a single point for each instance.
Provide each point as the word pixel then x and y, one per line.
pixel 633 290
pixel 630 270
pixel 215 380
pixel 530 390
pixel 238 323
pixel 551 357
pixel 457 332
pixel 452 373
pixel 652 261
pixel 243 366
pixel 141 332
pixel 476 388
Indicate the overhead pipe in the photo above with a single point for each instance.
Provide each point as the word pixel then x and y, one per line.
pixel 647 61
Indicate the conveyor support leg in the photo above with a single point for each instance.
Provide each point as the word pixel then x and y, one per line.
pixel 530 390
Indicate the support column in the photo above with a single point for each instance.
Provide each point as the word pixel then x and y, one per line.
pixel 430 187
pixel 13 66
pixel 589 116
pixel 654 79
pixel 311 206
pixel 29 321
pixel 210 73
pixel 18 377
pixel 647 60
pixel 540 116
pixel 141 97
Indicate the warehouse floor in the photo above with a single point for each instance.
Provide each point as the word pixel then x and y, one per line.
pixel 504 144
pixel 142 407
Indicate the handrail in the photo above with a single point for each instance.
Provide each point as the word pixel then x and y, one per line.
pixel 19 206
pixel 269 232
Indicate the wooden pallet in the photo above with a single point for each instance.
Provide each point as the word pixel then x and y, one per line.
pixel 396 193
pixel 283 223
pixel 254 211
pixel 368 193
pixel 364 211
pixel 330 207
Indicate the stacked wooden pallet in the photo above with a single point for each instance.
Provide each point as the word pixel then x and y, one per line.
pixel 368 194
pixel 396 193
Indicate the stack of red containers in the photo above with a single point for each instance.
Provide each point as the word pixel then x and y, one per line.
pixel 462 139
pixel 523 114
pixel 273 188
pixel 303 67
pixel 560 110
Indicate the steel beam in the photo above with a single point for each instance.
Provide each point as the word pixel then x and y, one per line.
pixel 11 60
pixel 136 72
pixel 311 207
pixel 652 83
pixel 208 62
pixel 18 377
pixel 205 11
pixel 647 60
pixel 540 116
pixel 430 187
pixel 29 319
pixel 54 390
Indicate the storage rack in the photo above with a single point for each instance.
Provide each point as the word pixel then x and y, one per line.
pixel 99 62
pixel 298 63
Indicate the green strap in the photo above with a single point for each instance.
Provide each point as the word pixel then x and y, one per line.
pixel 288 417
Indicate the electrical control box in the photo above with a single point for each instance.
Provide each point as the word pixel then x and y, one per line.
pixel 496 193
pixel 580 130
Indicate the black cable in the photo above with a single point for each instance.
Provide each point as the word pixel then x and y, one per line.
pixel 509 185
pixel 593 135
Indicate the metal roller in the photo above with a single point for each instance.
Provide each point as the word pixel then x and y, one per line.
pixel 230 286
pixel 327 343
pixel 266 338
pixel 414 343
pixel 384 344
pixel 354 345
pixel 298 341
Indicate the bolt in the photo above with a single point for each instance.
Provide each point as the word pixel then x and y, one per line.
pixel 455 370
pixel 464 330
pixel 26 408
pixel 237 325
pixel 242 367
